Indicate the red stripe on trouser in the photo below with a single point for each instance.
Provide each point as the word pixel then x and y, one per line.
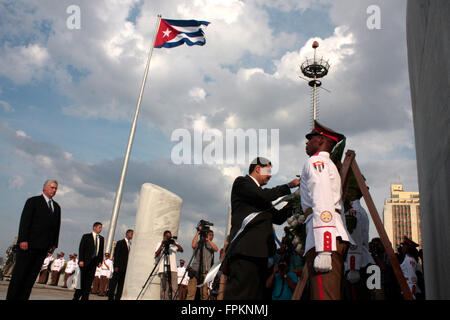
pixel 354 296
pixel 320 286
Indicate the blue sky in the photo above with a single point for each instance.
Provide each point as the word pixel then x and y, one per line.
pixel 70 95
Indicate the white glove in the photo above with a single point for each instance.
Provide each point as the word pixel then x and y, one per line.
pixel 353 276
pixel 322 263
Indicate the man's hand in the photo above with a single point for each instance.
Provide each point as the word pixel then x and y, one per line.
pixel 322 263
pixel 294 183
pixel 81 264
pixel 23 245
pixel 116 269
pixel 275 268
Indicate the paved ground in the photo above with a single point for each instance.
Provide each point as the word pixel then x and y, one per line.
pixel 46 292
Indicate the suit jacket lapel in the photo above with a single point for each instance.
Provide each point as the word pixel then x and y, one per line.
pixel 45 203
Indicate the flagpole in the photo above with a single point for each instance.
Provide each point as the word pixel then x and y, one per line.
pixel 118 198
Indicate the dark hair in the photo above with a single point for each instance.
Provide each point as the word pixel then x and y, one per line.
pixel 96 224
pixel 261 161
pixel 413 252
pixel 129 230
pixel 167 231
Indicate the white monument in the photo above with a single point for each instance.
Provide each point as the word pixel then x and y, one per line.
pixel 158 210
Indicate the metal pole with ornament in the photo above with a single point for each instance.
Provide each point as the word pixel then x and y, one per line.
pixel 315 69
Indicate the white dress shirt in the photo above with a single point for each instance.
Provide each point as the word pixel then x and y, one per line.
pixel 94 235
pixel 51 203
pixel 181 271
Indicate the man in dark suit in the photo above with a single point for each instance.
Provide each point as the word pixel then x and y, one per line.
pixel 90 255
pixel 246 264
pixel 38 234
pixel 120 266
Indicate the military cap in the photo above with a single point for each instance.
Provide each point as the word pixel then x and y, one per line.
pixel 320 129
pixel 409 242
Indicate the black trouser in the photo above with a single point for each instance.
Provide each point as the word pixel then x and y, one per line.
pixel 245 278
pixel 87 276
pixel 116 282
pixel 27 267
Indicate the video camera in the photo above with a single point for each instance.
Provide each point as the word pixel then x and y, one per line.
pixel 170 241
pixel 203 227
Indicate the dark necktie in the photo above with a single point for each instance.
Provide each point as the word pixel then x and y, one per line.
pixel 96 244
pixel 50 205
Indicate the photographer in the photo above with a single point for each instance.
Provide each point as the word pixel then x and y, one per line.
pixel 169 279
pixel 282 281
pixel 203 260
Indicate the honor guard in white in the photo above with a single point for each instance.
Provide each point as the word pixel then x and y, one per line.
pixel 56 268
pixel 106 273
pixel 43 276
pixel 326 235
pixel 410 265
pixel 358 255
pixel 69 270
pixel 95 289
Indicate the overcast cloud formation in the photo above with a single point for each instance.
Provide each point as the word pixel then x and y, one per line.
pixel 67 98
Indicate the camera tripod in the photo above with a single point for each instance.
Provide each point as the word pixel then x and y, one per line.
pixel 167 271
pixel 200 246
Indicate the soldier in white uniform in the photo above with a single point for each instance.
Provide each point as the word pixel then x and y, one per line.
pixel 182 282
pixel 410 265
pixel 105 274
pixel 56 268
pixel 43 276
pixel 326 236
pixel 358 256
pixel 75 279
pixel 70 269
pixel 95 289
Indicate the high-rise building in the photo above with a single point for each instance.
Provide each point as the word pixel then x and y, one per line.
pixel 401 216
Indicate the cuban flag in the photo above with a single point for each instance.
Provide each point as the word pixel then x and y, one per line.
pixel 173 33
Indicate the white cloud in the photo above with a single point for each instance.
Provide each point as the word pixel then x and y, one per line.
pixel 197 94
pixel 220 85
pixel 333 49
pixel 226 10
pixel 21 133
pixel 15 183
pixel 23 63
pixel 6 106
pixel 232 172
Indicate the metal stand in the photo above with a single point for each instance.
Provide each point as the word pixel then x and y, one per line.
pixel 350 164
pixel 200 245
pixel 165 258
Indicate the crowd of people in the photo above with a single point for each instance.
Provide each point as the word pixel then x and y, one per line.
pixel 108 277
pixel 334 257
